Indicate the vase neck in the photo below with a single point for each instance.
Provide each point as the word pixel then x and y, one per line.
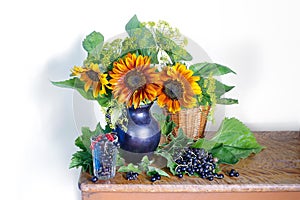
pixel 140 115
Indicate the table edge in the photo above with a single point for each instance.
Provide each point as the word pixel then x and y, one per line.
pixel 190 188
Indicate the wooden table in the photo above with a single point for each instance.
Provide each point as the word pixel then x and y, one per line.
pixel 273 174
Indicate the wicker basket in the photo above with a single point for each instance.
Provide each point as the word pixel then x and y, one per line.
pixel 192 121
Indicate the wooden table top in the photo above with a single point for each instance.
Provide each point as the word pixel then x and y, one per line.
pixel 275 169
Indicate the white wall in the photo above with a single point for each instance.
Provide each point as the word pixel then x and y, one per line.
pixel 41 40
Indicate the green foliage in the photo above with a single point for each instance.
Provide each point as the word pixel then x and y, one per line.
pixel 232 142
pixel 205 69
pixel 166 124
pixel 141 39
pixel 93 41
pixel 120 161
pixel 82 159
pixel 154 170
pixel 212 89
pixel 172 147
pixel 143 166
pixel 175 52
pixel 130 168
pixel 77 84
pixel 133 24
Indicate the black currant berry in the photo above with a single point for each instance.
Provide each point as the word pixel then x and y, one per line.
pixel 180 175
pixel 94 179
pixel 153 179
pixel 231 174
pixel 220 176
pixel 131 175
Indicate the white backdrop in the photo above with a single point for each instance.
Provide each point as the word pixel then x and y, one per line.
pixel 41 41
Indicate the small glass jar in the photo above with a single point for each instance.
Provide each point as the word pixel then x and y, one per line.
pixel 104 151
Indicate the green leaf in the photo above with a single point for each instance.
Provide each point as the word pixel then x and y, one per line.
pixel 79 143
pixel 196 67
pixel 70 83
pixel 227 101
pixel 129 168
pixel 77 84
pixel 170 162
pixel 144 164
pixel 120 161
pixel 233 132
pixel 82 159
pixel 175 52
pixel 87 134
pixel 236 138
pixel 133 24
pixel 205 69
pixel 221 88
pixel 224 155
pixel 153 170
pixel 166 124
pixel 232 142
pixel 93 41
pixel 143 37
pixel 204 143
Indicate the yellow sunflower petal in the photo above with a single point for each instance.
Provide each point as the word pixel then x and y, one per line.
pixel 94 67
pixel 87 85
pixel 140 61
pixel 96 88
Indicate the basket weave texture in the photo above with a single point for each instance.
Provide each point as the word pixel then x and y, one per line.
pixel 192 121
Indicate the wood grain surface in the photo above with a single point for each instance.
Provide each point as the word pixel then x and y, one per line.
pixel 275 169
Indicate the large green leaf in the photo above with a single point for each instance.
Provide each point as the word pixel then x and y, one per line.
pixel 206 69
pixel 232 142
pixel 224 154
pixel 77 84
pixel 93 41
pixel 234 133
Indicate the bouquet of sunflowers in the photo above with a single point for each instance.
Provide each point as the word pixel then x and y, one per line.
pixel 151 64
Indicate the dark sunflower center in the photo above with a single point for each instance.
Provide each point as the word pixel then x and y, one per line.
pixel 135 80
pixel 93 75
pixel 173 89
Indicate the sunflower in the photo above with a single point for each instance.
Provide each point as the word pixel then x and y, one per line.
pixel 178 87
pixel 133 80
pixel 92 76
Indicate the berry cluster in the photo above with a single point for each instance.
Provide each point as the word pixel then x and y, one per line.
pixel 131 175
pixel 196 161
pixel 233 173
pixel 104 150
pixel 103 138
pixel 155 177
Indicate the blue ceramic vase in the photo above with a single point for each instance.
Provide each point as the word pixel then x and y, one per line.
pixel 143 132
